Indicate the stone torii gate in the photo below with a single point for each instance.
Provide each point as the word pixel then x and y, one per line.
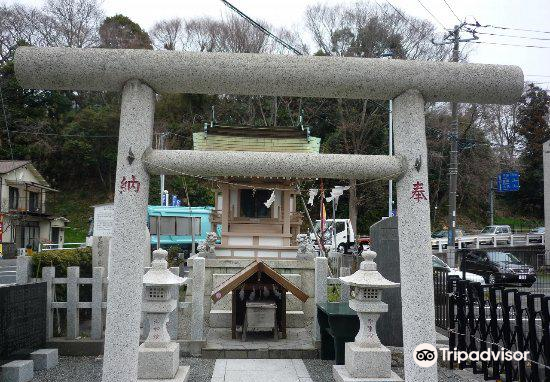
pixel 140 73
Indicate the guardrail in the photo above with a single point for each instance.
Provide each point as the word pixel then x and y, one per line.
pixel 493 240
pixel 54 246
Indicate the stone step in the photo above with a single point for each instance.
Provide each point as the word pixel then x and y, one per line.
pixel 271 353
pixel 8 268
pixel 7 273
pixel 222 319
pixel 8 262
pixel 7 279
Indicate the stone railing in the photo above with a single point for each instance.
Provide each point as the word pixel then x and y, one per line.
pixel 98 303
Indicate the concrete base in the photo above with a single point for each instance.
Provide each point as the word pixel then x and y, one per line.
pixel 181 376
pixel 367 362
pixel 158 363
pixel 17 371
pixel 341 374
pixel 45 358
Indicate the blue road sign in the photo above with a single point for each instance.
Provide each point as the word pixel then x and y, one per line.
pixel 508 181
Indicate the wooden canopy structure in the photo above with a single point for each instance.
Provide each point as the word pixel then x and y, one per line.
pixel 257 282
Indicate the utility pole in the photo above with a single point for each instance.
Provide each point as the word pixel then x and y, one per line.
pixel 492 202
pixel 453 37
pixel 161 147
pixel 389 54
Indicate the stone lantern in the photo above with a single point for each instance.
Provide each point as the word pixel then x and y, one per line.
pixel 366 358
pixel 158 357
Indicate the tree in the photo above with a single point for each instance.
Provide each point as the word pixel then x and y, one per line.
pixel 75 21
pixel 119 32
pixel 533 128
pixel 363 30
pixel 499 122
pixel 168 34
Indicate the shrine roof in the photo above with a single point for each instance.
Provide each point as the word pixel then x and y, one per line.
pixel 244 274
pixel 250 138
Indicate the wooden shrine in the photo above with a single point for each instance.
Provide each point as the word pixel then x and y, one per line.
pixel 259 286
pixel 250 228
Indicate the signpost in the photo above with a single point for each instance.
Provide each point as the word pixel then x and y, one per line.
pixel 506 182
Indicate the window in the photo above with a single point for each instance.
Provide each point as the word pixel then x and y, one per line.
pixel 252 203
pixel 14 198
pixel 183 226
pixel 33 201
pixel 29 235
pixel 178 226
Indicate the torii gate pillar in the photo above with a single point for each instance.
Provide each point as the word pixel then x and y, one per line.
pixel 413 216
pixel 130 240
pixel 546 176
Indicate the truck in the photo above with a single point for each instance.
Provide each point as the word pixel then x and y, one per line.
pixel 175 225
pixel 346 239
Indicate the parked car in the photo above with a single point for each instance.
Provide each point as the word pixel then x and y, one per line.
pixel 442 236
pixel 496 230
pixel 497 267
pixel 437 263
pixel 536 231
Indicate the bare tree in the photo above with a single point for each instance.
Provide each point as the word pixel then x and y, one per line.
pixel 499 124
pixel 76 21
pixel 168 34
pixel 203 34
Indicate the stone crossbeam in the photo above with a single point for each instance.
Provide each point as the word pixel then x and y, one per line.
pixel 265 74
pixel 273 164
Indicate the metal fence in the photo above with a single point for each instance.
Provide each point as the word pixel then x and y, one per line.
pixel 486 317
pixel 22 318
pixel 441 299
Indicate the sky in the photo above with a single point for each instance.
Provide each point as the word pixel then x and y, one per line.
pixel 522 14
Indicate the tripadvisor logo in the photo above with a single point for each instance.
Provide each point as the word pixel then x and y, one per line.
pixel 485 355
pixel 425 355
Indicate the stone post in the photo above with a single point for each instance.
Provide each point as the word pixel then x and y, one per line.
pixel 413 213
pixel 546 170
pixel 321 268
pixel 129 241
pixel 344 288
pixel 48 274
pixel 73 298
pixel 197 300
pixel 23 269
pixel 97 301
pixel 172 325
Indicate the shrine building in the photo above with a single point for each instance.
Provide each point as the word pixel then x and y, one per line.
pixel 249 228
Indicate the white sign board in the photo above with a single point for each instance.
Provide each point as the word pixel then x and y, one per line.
pixel 103 220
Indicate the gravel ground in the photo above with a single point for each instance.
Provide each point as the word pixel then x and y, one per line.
pixel 88 369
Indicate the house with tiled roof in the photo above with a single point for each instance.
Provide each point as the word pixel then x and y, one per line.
pixel 25 221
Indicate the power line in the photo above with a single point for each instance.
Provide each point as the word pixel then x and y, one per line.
pixel 435 18
pixel 451 9
pixel 515 45
pixel 514 36
pixel 264 30
pixel 477 24
pixel 401 15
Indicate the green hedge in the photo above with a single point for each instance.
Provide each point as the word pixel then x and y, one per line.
pixel 61 259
